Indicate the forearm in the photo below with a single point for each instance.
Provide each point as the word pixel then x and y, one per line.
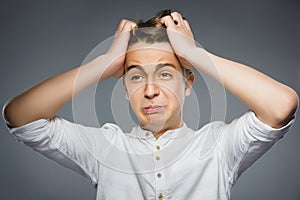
pixel 44 100
pixel 273 102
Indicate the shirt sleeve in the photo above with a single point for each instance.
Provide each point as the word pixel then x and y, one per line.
pixel 245 140
pixel 72 145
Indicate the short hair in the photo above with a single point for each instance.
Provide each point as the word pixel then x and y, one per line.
pixel 152 31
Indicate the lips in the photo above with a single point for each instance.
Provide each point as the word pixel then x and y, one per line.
pixel 153 109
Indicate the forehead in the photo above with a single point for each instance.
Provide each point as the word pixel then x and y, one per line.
pixel 144 54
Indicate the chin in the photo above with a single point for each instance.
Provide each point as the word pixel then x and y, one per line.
pixel 154 125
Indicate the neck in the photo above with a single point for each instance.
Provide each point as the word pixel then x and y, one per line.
pixel 157 135
pixel 159 130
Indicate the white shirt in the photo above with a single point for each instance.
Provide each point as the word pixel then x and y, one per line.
pixel 182 164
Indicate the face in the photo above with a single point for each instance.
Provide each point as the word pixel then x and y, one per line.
pixel 155 86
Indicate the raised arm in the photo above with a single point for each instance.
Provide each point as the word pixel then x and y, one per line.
pixel 45 99
pixel 273 102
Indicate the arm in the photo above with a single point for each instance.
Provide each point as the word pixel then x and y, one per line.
pixel 44 100
pixel 273 102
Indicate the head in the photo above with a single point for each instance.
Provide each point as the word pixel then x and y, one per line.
pixel 155 81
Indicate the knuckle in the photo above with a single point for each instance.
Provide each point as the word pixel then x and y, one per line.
pixel 186 22
pixel 123 21
pixel 167 17
pixel 175 13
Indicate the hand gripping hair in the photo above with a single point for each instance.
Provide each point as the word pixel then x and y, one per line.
pixel 152 31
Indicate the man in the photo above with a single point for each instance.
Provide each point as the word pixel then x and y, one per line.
pixel 161 158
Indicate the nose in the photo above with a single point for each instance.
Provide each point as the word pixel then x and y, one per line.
pixel 151 90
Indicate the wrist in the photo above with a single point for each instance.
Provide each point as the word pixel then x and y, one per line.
pixel 196 56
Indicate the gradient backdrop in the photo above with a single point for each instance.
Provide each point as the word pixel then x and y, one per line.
pixel 42 38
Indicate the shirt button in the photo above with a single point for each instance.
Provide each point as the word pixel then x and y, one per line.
pixel 158 175
pixel 157 157
pixel 147 134
pixel 160 196
pixel 158 148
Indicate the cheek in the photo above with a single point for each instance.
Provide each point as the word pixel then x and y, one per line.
pixel 134 93
pixel 174 89
pixel 135 98
pixel 174 95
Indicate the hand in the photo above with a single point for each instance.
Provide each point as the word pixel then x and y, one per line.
pixel 180 36
pixel 117 51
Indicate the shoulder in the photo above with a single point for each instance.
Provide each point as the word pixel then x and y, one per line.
pixel 210 128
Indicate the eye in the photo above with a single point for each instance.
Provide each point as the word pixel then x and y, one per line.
pixel 165 75
pixel 136 77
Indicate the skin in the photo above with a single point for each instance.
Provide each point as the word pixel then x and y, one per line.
pixel 45 99
pixel 155 86
pixel 273 102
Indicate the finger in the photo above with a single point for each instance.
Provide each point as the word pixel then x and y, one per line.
pixel 187 25
pixel 120 27
pixel 133 25
pixel 123 34
pixel 168 21
pixel 123 23
pixel 177 17
pixel 128 26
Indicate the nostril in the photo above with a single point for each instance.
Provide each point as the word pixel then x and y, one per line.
pixel 151 90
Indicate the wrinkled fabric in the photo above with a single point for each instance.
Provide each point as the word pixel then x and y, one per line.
pixel 181 164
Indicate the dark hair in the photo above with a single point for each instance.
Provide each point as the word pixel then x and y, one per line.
pixel 152 31
pixel 152 22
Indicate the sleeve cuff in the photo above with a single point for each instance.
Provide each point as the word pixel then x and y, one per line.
pixel 30 131
pixel 263 131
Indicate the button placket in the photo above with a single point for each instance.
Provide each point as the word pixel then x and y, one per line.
pixel 157 156
pixel 160 196
pixel 159 174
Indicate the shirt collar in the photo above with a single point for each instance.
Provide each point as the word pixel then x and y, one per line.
pixel 146 134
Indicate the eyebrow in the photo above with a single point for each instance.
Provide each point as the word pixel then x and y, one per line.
pixel 159 66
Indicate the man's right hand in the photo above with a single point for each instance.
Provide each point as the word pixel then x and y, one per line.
pixel 45 99
pixel 117 52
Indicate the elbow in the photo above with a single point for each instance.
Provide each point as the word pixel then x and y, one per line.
pixel 288 108
pixel 10 114
pixel 6 112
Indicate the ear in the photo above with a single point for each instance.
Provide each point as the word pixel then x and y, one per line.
pixel 188 83
pixel 126 91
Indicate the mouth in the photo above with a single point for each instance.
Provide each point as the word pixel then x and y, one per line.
pixel 152 109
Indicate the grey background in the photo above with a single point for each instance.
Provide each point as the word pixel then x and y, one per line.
pixel 42 38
